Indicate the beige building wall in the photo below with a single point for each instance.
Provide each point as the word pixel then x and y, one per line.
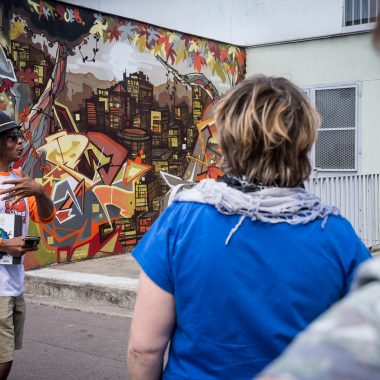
pixel 332 61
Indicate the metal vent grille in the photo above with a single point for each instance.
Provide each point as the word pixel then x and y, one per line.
pixel 335 148
pixel 336 107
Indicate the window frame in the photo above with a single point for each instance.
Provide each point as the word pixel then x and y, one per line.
pixel 310 92
pixel 358 27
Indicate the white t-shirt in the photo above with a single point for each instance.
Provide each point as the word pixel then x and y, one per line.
pixel 12 276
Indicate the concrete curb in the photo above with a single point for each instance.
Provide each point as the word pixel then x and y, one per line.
pixel 113 311
pixel 85 287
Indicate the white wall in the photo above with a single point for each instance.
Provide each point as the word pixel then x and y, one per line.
pixel 241 22
pixel 340 60
pixel 207 18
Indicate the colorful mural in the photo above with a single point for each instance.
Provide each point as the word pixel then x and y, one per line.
pixel 113 111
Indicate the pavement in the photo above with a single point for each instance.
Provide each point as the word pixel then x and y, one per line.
pixel 105 285
pixel 63 344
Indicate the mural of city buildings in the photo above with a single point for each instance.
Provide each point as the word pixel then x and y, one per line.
pixel 114 111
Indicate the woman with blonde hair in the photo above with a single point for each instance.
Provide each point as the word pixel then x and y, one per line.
pixel 234 269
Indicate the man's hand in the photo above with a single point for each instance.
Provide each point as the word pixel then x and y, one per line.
pixel 23 187
pixel 15 246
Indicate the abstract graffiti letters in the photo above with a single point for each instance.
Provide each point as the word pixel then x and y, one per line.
pixel 47 10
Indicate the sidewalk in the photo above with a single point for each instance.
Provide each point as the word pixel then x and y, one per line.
pixel 105 285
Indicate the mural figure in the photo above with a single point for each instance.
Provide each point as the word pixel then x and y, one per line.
pixel 107 104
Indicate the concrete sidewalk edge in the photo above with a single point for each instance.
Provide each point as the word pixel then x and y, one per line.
pixel 85 287
pixel 109 310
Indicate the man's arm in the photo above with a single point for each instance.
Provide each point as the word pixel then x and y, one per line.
pixel 151 327
pixel 45 207
pixel 26 187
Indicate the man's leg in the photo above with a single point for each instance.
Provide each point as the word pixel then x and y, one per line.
pixel 5 368
pixel 7 337
pixel 19 311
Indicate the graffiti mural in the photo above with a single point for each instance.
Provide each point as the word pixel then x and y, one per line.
pixel 113 111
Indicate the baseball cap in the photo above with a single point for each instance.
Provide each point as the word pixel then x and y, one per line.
pixel 7 123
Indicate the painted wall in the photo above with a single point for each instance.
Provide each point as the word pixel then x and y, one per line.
pixel 107 104
pixel 241 22
pixel 340 60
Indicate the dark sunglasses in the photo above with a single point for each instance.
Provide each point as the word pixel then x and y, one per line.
pixel 14 136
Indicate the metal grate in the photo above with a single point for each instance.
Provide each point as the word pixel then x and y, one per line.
pixel 336 107
pixel 358 198
pixel 335 148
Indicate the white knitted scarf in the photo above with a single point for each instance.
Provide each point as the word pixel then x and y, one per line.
pixel 270 205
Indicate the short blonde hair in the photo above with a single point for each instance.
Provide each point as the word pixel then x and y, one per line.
pixel 267 127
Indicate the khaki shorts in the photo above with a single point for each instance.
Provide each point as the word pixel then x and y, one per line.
pixel 12 318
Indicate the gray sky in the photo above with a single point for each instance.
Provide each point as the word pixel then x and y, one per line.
pixel 114 58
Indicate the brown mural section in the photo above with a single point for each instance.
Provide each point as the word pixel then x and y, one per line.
pixel 114 111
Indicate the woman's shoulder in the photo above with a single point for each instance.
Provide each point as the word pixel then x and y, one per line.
pixel 185 217
pixel 189 209
pixel 342 234
pixel 338 223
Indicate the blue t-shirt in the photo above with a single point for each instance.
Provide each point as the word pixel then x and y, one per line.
pixel 239 305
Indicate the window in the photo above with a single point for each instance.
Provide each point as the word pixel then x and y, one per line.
pixel 336 146
pixel 102 92
pixel 358 12
pixel 40 72
pixel 173 142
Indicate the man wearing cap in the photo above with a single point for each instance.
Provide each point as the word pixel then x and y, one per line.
pixel 19 194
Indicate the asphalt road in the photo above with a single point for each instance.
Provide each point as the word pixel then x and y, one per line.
pixel 67 344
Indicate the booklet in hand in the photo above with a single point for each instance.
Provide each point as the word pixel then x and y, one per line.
pixel 10 226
